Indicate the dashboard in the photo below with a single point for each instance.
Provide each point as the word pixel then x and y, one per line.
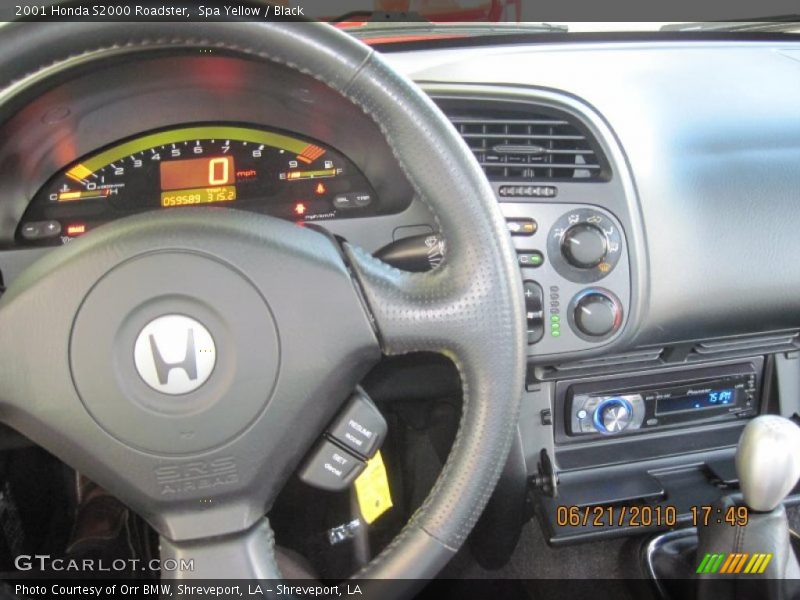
pixel 585 147
pixel 650 189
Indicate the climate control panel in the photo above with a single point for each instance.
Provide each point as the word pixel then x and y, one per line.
pixel 576 274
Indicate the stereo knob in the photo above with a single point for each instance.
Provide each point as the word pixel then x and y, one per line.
pixel 596 315
pixel 612 415
pixel 584 246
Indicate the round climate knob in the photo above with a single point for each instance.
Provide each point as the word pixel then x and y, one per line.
pixel 584 246
pixel 613 415
pixel 597 315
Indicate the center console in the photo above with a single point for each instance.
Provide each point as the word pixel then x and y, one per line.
pixel 656 443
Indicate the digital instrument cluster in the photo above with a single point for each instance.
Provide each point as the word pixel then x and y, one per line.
pixel 249 168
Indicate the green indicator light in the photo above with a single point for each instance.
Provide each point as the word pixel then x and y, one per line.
pixel 555 318
pixel 555 326
pixel 555 333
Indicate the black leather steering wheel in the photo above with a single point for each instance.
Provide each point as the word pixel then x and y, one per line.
pixel 68 324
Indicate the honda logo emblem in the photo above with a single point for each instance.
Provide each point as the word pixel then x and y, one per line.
pixel 174 354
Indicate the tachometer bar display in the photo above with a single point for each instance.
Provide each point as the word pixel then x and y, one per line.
pixel 252 169
pixel 175 136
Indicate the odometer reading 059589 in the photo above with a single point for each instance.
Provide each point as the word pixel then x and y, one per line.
pixel 252 169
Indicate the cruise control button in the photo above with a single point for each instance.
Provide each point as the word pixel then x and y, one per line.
pixel 331 468
pixel 360 427
pixel 521 226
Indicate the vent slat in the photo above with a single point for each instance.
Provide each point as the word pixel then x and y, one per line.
pixel 553 151
pixel 518 145
pixel 481 121
pixel 540 165
pixel 520 136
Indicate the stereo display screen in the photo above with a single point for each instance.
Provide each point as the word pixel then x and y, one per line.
pixel 696 400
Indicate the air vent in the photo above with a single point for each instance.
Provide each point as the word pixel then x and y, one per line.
pixel 783 341
pixel 528 144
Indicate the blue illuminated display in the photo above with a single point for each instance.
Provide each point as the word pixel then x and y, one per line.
pixel 710 399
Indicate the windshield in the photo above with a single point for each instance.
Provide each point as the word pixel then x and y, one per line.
pixel 497 17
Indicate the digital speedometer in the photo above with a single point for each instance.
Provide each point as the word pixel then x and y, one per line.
pixel 252 169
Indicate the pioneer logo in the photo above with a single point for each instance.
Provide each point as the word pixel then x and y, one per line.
pixel 174 354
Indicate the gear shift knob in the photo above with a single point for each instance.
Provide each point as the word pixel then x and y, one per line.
pixel 768 461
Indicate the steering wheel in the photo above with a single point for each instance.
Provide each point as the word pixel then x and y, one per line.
pixel 296 318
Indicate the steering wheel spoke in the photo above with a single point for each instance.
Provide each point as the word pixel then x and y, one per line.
pixel 438 311
pixel 246 555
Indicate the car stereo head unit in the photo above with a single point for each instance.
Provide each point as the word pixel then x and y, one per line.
pixel 682 398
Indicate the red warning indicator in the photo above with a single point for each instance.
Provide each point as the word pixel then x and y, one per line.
pixel 76 229
pixel 300 208
pixel 310 153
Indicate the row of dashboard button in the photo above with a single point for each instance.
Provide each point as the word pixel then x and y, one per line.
pixel 352 200
pixel 534 296
pixel 587 241
pixel 37 230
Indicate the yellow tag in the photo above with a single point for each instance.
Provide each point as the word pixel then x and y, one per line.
pixel 372 490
